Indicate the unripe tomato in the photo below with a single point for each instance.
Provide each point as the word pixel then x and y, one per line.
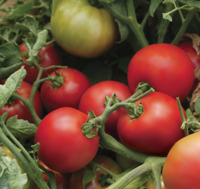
pixel 167 68
pixel 83 30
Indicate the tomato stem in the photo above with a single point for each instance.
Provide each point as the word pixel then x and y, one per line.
pixel 184 26
pixel 138 171
pixel 25 159
pixel 184 122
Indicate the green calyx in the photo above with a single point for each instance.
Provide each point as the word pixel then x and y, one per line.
pixel 57 80
pixel 134 110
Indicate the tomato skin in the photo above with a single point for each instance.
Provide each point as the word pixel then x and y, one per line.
pixel 68 94
pixel 75 181
pixel 63 147
pixel 18 108
pixel 187 46
pixel 49 56
pixel 94 99
pixel 167 68
pixel 157 128
pixel 182 165
pixel 82 34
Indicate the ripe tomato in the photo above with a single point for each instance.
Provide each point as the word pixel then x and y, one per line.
pixel 182 166
pixel 69 93
pixel 75 181
pixel 94 99
pixel 187 46
pixel 17 107
pixel 156 129
pixel 63 147
pixel 86 31
pixel 49 56
pixel 167 68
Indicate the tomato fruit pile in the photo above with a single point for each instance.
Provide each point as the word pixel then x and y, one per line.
pixel 99 94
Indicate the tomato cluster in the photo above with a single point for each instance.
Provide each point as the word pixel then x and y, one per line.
pixel 65 99
pixel 84 128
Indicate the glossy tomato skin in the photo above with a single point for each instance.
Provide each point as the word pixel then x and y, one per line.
pixel 94 99
pixel 167 68
pixel 86 30
pixel 187 46
pixel 68 94
pixel 157 128
pixel 18 108
pixel 75 181
pixel 49 56
pixel 182 165
pixel 63 147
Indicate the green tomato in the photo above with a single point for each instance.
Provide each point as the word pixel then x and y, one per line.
pixel 82 29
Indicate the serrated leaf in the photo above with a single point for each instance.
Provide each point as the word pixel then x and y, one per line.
pixel 20 10
pixel 10 59
pixel 28 23
pixel 20 128
pixel 89 175
pixel 11 175
pixel 40 42
pixel 11 85
pixel 197 106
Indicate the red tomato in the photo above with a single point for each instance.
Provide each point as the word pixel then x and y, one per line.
pixel 63 147
pixel 75 181
pixel 49 56
pixel 156 129
pixel 16 106
pixel 167 68
pixel 69 93
pixel 182 166
pixel 61 179
pixel 187 46
pixel 94 99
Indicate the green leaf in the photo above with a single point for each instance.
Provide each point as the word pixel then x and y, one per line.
pixel 167 17
pixel 11 176
pixel 10 59
pixel 11 85
pixel 20 128
pixel 40 42
pixel 28 23
pixel 153 6
pixel 89 175
pixel 19 11
pixel 118 6
pixel 197 106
